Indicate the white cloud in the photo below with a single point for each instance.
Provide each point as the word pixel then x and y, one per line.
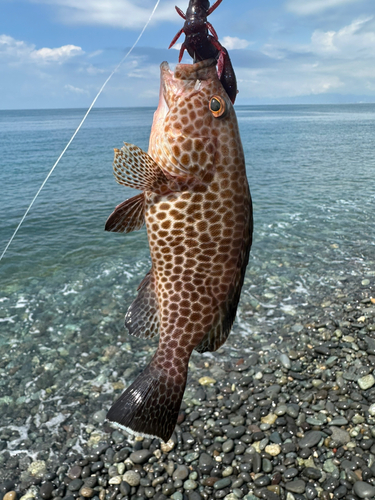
pixel 17 51
pixel 352 41
pixel 308 7
pixel 357 40
pixel 232 42
pixel 288 81
pixel 334 61
pixel 75 90
pixel 59 55
pixel 117 13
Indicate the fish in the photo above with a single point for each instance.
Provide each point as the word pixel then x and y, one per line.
pixel 195 201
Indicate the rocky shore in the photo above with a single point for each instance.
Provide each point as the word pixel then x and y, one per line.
pixel 284 415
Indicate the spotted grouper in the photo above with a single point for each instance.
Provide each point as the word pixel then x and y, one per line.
pixel 197 207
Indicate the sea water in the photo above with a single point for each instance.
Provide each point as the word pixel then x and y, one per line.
pixel 65 283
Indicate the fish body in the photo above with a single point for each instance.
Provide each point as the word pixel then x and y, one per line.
pixel 197 207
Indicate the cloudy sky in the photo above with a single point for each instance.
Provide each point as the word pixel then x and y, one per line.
pixel 58 53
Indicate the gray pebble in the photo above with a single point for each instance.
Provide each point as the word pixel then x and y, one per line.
pixel 181 473
pixel 75 485
pixel 310 439
pixel 338 421
pixel 339 436
pixel 140 456
pixel 296 486
pixel 236 432
pixel 190 484
pixel 75 472
pixel 266 465
pixel 285 361
pixel 222 483
pixel 46 490
pixel 190 457
pixel 363 490
pixel 228 446
pixel 117 437
pixel 132 477
pixel 99 416
pixel 290 473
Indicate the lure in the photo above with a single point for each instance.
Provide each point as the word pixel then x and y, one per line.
pixel 202 45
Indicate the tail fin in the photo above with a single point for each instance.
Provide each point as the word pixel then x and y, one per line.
pixel 150 406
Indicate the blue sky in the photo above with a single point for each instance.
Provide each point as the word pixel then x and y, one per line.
pixel 54 54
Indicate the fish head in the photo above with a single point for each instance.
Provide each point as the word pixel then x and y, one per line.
pixel 194 112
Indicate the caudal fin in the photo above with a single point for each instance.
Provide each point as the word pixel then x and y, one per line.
pixel 150 406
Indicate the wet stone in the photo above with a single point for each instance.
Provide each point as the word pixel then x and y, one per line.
pixel 10 495
pixel 228 446
pixel 96 466
pixel 117 437
pixel 75 472
pixel 7 486
pixel 86 492
pixel 132 477
pixel 236 432
pixel 86 472
pixel 91 481
pixel 290 473
pixel 366 382
pixel 46 490
pixel 99 416
pixel 190 484
pixel 75 485
pixel 266 465
pixel 312 473
pixel 141 456
pixel 310 439
pixel 338 421
pixel 285 361
pixel 256 462
pixel 194 495
pixel 190 457
pixel 311 492
pixel 262 481
pixel 125 488
pixel 181 473
pixel 339 436
pixel 222 483
pixel 296 486
pixel 273 450
pixel 363 490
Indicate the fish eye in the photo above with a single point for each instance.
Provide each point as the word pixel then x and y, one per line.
pixel 218 106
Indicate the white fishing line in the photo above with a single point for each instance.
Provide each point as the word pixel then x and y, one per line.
pixel 78 128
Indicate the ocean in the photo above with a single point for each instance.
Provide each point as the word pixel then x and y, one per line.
pixel 65 284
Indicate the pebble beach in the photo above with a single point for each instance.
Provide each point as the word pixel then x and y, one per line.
pixel 289 415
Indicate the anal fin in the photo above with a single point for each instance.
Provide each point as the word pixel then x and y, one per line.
pixel 128 216
pixel 142 318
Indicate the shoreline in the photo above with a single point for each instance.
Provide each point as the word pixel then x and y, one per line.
pixel 291 414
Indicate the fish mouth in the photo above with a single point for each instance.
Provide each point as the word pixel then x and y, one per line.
pixel 185 79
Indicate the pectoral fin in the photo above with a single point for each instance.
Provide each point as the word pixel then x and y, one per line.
pixel 134 168
pixel 128 216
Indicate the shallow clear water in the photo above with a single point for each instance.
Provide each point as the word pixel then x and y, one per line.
pixel 65 283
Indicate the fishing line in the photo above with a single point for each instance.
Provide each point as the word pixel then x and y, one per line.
pixel 78 128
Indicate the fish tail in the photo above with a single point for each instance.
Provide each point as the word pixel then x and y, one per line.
pixel 150 405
